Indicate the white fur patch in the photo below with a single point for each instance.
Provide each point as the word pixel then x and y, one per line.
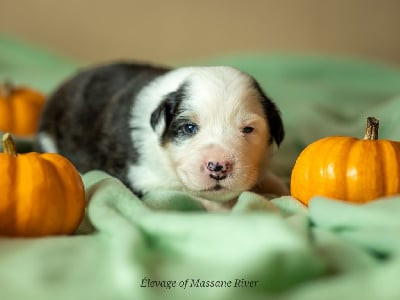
pixel 47 143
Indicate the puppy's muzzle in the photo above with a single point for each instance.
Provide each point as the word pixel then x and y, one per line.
pixel 218 170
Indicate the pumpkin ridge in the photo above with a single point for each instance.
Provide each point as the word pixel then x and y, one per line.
pixel 382 155
pixel 71 190
pixel 363 163
pixel 392 152
pixel 7 206
pixel 396 148
pixel 27 207
pixel 35 99
pixel 63 193
pixel 347 144
pixel 340 169
pixel 6 112
pixel 43 207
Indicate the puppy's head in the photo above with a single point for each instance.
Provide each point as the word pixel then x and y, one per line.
pixel 216 129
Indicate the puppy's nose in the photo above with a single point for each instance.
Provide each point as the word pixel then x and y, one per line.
pixel 218 170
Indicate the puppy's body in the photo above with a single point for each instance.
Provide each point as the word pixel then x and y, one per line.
pixel 204 130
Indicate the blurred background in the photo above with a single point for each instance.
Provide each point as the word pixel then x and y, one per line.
pixel 184 30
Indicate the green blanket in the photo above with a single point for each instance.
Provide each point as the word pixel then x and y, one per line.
pixel 166 247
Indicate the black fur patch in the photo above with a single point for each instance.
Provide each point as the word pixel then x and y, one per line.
pixel 168 112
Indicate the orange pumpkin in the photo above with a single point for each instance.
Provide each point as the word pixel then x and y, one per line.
pixel 41 194
pixel 20 109
pixel 351 169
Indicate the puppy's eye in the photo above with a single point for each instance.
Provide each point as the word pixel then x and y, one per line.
pixel 190 128
pixel 247 130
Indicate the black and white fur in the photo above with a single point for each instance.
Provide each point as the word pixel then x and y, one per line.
pixel 204 130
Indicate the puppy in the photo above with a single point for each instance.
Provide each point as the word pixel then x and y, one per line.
pixel 207 131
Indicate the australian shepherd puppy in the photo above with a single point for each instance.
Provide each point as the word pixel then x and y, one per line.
pixel 207 131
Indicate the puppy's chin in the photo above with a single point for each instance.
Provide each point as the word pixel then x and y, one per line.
pixel 200 184
pixel 223 191
pixel 218 194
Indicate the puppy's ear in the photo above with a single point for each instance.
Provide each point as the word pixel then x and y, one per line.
pixel 164 114
pixel 273 116
pixel 161 118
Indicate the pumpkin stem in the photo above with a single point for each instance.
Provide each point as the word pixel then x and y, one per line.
pixel 371 133
pixel 9 145
pixel 6 88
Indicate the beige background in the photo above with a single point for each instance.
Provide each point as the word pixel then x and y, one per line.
pixel 178 30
